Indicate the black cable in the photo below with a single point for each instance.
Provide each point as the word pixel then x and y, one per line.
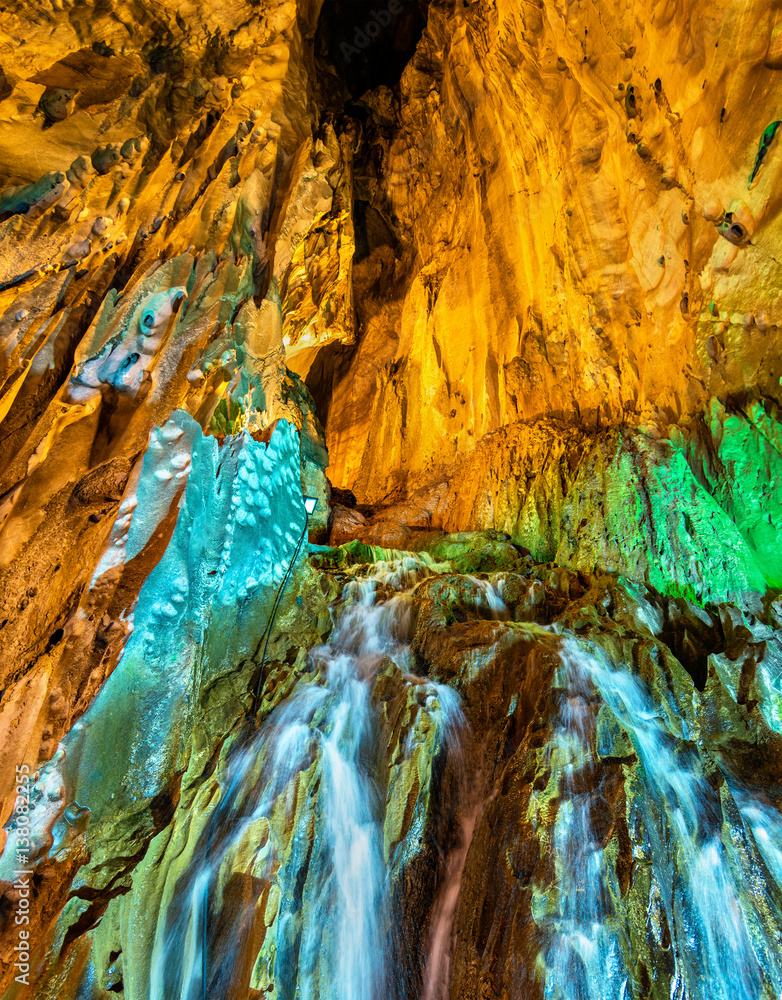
pixel 276 605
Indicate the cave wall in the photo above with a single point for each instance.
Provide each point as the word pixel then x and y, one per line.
pixel 529 285
pixel 570 219
pixel 158 170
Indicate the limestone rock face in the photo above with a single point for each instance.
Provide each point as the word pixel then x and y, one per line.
pixel 144 154
pixel 136 284
pixel 549 262
pixel 501 715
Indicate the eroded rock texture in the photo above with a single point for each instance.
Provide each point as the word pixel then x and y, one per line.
pixel 571 219
pixel 508 273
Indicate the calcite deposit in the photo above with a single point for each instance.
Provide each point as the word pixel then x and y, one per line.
pixel 390 500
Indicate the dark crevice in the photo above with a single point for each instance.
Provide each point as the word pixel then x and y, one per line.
pixel 367 45
pixel 691 639
pixel 55 638
pixel 330 362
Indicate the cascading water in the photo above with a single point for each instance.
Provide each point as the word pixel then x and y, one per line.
pixel 492 595
pixel 593 840
pixel 334 920
pixel 714 855
pixel 583 960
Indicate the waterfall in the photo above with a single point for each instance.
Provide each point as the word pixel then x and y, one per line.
pixel 183 953
pixel 583 961
pixel 712 856
pixel 361 842
pixel 334 913
pixel 492 595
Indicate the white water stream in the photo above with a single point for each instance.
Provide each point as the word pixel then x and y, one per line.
pixel 332 935
pixel 711 851
pixel 724 943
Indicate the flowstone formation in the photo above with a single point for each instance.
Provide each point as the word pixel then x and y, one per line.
pixel 390 500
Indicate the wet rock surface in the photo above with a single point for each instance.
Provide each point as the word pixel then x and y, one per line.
pixel 610 786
